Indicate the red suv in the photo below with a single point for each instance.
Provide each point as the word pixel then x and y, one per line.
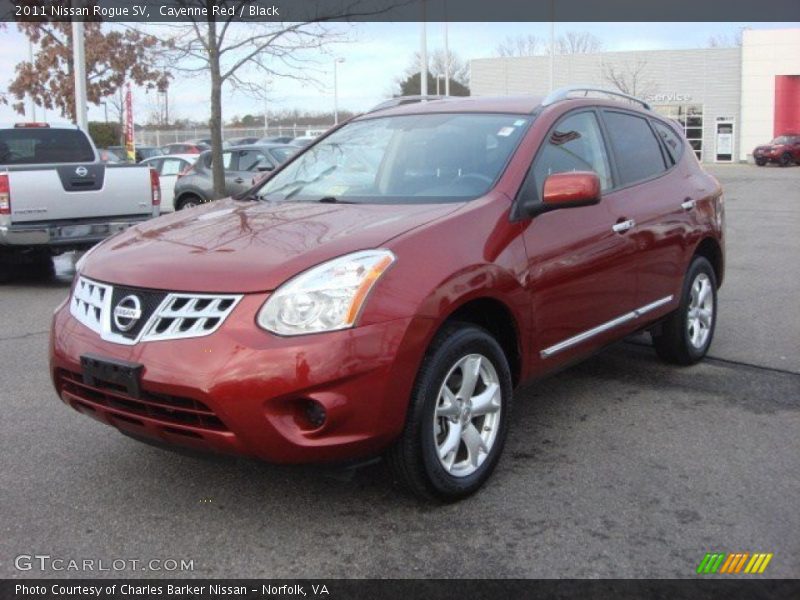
pixel 387 289
pixel 784 150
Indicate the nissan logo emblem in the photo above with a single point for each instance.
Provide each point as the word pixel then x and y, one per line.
pixel 127 312
pixel 81 171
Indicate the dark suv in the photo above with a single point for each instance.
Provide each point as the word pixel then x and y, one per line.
pixel 387 289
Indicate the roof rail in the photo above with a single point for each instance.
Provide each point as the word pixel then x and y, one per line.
pixel 565 93
pixel 400 100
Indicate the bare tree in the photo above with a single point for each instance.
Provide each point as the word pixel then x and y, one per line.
pixel 244 55
pixel 459 68
pixel 732 40
pixel 629 77
pixel 521 45
pixel 578 42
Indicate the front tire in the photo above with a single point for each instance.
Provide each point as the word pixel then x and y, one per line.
pixel 457 418
pixel 786 159
pixel 686 334
pixel 761 162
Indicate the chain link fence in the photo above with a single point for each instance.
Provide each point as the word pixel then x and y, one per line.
pixel 162 137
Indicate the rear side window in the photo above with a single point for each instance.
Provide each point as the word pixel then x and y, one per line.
pixel 172 166
pixel 250 160
pixel 671 140
pixel 575 144
pixel 635 146
pixel 44 146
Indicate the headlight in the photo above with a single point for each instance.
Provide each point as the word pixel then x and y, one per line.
pixel 326 297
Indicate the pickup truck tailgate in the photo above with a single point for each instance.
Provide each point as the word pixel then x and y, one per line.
pixel 77 191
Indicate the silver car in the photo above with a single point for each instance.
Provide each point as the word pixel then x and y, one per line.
pixel 243 166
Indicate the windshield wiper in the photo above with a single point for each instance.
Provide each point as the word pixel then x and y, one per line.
pixel 333 200
pixel 302 184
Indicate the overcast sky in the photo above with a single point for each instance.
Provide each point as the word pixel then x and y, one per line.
pixel 378 53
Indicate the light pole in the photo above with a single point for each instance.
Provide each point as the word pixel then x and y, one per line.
pixel 79 68
pixel 336 90
pixel 105 109
pixel 267 83
pixel 446 55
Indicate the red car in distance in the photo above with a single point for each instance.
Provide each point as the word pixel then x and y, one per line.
pixel 184 148
pixel 783 150
pixel 387 289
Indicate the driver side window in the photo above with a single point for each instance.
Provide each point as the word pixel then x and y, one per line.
pixel 575 144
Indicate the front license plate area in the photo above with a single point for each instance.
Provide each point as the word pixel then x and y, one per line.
pixel 97 370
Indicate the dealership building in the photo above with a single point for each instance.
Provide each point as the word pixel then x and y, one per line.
pixel 728 100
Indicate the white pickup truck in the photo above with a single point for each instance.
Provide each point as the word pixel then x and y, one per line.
pixel 56 195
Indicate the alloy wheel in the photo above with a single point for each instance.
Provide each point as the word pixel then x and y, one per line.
pixel 467 415
pixel 701 311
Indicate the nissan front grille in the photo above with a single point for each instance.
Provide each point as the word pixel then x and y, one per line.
pixel 126 315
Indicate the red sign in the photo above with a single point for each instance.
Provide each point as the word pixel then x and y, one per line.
pixel 130 145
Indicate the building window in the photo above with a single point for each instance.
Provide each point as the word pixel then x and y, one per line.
pixel 690 118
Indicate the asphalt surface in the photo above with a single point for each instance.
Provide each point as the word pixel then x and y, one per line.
pixel 618 467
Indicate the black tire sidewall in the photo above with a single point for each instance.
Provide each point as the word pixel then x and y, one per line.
pixel 466 340
pixel 699 265
pixel 182 203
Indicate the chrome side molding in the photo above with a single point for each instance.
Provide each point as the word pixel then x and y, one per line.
pixel 582 337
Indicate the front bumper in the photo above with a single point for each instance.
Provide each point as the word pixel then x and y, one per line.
pixel 242 390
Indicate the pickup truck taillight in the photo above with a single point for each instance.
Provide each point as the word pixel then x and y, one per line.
pixel 155 187
pixel 5 195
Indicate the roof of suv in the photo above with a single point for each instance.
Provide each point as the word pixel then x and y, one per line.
pixel 523 105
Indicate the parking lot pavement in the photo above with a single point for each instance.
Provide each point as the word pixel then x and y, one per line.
pixel 618 467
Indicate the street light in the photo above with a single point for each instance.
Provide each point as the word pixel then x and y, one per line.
pixel 105 108
pixel 267 83
pixel 336 90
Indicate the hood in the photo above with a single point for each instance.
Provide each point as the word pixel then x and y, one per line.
pixel 229 246
pixel 765 147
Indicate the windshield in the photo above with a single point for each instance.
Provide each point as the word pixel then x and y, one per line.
pixel 782 139
pixel 404 159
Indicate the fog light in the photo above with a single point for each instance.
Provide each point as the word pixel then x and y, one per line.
pixel 315 413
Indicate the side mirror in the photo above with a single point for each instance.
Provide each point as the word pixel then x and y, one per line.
pixel 566 190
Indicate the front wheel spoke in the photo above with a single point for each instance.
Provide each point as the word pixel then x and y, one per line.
pixel 474 443
pixel 488 401
pixel 704 315
pixel 450 407
pixel 705 290
pixel 452 440
pixel 471 370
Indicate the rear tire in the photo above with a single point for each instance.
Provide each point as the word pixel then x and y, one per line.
pixel 786 159
pixel 457 418
pixel 685 335
pixel 189 201
pixel 761 162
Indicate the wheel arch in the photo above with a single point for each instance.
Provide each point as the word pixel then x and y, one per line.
pixel 710 249
pixel 498 319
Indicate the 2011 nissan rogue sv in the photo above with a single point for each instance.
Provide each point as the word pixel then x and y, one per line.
pixel 387 289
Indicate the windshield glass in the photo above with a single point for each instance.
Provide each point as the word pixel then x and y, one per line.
pixel 782 139
pixel 404 159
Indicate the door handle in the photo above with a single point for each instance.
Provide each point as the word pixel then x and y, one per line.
pixel 688 204
pixel 623 226
pixel 238 180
